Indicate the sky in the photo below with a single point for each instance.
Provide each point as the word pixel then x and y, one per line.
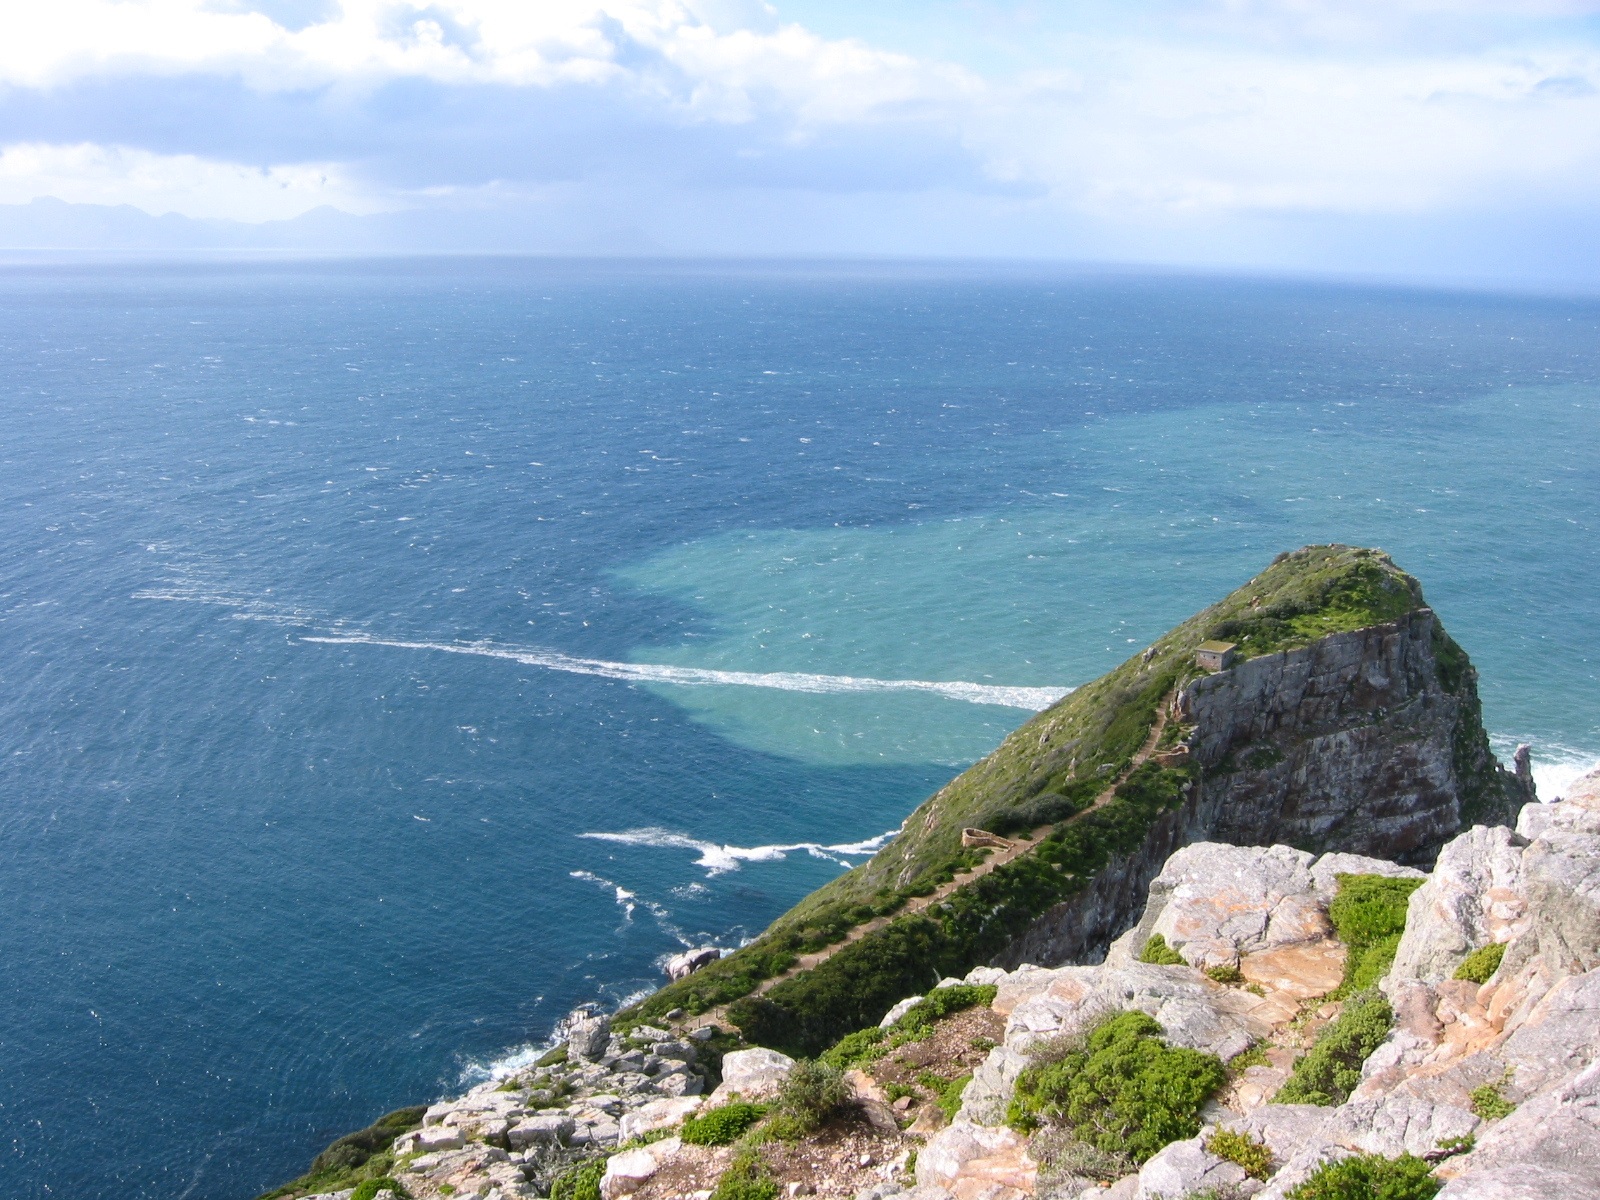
pixel 1406 137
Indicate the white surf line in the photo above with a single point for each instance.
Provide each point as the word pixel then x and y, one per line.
pixel 1033 699
pixel 719 859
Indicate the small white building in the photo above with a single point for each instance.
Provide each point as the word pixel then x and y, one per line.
pixel 1216 656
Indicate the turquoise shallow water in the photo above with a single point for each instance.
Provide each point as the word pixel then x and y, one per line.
pixel 343 605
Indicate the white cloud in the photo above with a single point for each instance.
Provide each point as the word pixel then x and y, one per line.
pixel 1165 111
pixel 181 183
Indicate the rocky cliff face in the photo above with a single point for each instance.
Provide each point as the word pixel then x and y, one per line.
pixel 1368 742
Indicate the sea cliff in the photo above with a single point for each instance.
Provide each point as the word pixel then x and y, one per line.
pixel 1344 722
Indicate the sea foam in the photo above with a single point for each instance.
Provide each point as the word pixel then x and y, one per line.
pixel 1032 699
pixel 719 859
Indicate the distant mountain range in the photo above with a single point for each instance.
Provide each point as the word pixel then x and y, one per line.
pixel 51 224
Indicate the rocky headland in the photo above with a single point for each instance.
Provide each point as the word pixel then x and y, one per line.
pixel 1279 929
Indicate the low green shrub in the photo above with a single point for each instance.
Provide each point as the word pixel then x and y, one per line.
pixel 1065 1162
pixel 367 1189
pixel 1240 1148
pixel 812 1093
pixel 1369 915
pixel 746 1178
pixel 1482 963
pixel 1489 1104
pixel 856 1048
pixel 941 1002
pixel 1330 1070
pixel 1158 952
pixel 1225 973
pixel 950 1095
pixel 1125 1092
pixel 722 1125
pixel 1370 1177
pixel 579 1182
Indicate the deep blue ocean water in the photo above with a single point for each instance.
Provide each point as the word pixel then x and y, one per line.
pixel 324 590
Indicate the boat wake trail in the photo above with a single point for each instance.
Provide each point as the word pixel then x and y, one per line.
pixel 1033 699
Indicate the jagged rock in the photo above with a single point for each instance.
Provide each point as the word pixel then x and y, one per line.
pixel 901 1008
pixel 1534 819
pixel 1549 1147
pixel 968 1159
pixel 1560 1034
pixel 1287 1129
pixel 649 1033
pixel 679 1051
pixel 1213 902
pixel 1562 870
pixel 1398 1124
pixel 679 1083
pixel 658 1114
pixel 627 1172
pixel 681 966
pixel 988 1095
pixel 1192 1011
pixel 544 1129
pixel 588 1037
pixel 984 976
pixel 429 1139
pixel 1474 896
pixel 1182 1168
pixel 754 1074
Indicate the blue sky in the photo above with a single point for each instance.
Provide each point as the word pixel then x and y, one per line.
pixel 1404 137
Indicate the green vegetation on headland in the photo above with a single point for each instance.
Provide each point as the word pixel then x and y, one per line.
pixel 355 1160
pixel 1328 1072
pixel 1043 778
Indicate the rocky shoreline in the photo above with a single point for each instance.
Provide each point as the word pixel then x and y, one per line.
pixel 1493 1086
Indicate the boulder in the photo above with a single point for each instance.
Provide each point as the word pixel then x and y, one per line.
pixel 978 1160
pixel 679 1083
pixel 588 1037
pixel 627 1172
pixel 681 966
pixel 901 1008
pixel 1182 1168
pixel 1559 1035
pixel 543 1129
pixel 1214 902
pixel 658 1114
pixel 755 1074
pixel 1475 896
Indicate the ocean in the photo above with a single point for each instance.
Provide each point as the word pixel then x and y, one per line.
pixel 397 654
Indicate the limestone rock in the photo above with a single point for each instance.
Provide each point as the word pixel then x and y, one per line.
pixel 1560 1034
pixel 681 966
pixel 1474 896
pixel 1551 1143
pixel 978 1160
pixel 627 1172
pixel 1215 902
pixel 1398 1124
pixel 755 1074
pixel 544 1129
pixel 1182 1168
pixel 901 1008
pixel 588 1037
pixel 1562 869
pixel 658 1114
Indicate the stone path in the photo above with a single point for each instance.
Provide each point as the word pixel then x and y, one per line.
pixel 996 858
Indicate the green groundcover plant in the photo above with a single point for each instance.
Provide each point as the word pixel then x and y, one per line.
pixel 1124 1091
pixel 1330 1070
pixel 1370 1177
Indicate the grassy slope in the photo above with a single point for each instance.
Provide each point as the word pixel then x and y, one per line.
pixel 1055 765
